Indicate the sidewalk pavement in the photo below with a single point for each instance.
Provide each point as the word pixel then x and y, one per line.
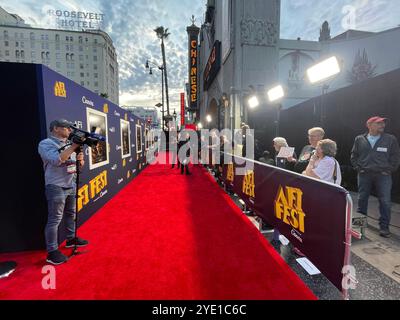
pixel 373 215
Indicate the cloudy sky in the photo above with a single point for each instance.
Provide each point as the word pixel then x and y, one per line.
pixel 130 24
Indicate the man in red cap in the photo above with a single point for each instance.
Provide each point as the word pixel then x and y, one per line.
pixel 375 156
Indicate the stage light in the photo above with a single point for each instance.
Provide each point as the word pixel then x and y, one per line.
pixel 276 93
pixel 208 118
pixel 323 70
pixel 199 125
pixel 253 102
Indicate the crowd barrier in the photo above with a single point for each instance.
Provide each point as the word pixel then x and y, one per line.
pixel 315 216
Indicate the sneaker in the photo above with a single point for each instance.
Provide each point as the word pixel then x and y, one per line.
pixel 385 233
pixel 56 258
pixel 79 243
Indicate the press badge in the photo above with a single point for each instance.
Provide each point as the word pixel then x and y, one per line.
pixel 382 150
pixel 71 169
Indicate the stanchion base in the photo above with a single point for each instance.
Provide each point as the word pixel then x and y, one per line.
pixel 6 268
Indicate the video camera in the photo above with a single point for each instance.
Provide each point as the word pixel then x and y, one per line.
pixel 82 137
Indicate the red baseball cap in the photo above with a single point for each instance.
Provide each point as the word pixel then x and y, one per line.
pixel 376 120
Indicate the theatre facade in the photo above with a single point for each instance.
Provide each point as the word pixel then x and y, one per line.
pixel 240 53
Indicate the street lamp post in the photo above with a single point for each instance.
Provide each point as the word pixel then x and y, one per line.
pixel 161 68
pixel 160 105
pixel 175 115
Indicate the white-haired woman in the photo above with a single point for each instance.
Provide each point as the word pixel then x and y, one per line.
pixel 323 164
pixel 283 163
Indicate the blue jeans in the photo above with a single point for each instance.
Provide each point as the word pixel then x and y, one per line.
pixel 383 186
pixel 60 202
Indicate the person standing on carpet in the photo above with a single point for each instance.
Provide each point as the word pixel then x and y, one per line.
pixel 60 174
pixel 184 141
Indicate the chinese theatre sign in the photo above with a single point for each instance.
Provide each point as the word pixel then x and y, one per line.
pixel 193 70
pixel 289 207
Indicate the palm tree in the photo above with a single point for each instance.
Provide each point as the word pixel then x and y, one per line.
pixel 163 34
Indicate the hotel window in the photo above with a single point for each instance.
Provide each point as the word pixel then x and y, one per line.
pixel 57 46
pixel 81 66
pixel 81 57
pixel 6 43
pixel 42 36
pixel 5 34
pixel 72 57
pixel 46 37
pixel 71 47
pixel 71 39
pixel 22 44
pixel 67 57
pixel 80 48
pixel 58 65
pixel 48 55
pixel 33 55
pixel 7 52
pixel 95 41
pixel 82 75
pixel 80 39
pixel 96 84
pixel 57 37
pixel 72 65
pixel 96 75
pixel 94 58
pixel 82 83
pixel 22 54
pixel 67 38
pixel 16 44
pixel 43 55
pixel 94 49
pixel 95 66
pixel 32 36
pixel 88 83
pixel 17 54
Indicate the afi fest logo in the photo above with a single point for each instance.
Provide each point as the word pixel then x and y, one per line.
pixel 230 174
pixel 289 207
pixel 59 89
pixel 249 185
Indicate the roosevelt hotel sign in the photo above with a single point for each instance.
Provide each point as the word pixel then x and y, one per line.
pixel 76 20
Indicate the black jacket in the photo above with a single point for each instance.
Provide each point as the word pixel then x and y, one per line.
pixel 384 157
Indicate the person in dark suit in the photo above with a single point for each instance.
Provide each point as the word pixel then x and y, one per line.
pixel 184 159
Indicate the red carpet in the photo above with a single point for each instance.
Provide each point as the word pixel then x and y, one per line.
pixel 164 237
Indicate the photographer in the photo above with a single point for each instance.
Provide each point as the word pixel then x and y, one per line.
pixel 60 168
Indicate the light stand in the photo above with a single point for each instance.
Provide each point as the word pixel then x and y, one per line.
pixel 6 268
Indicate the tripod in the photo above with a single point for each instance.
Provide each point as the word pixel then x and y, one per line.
pixel 78 171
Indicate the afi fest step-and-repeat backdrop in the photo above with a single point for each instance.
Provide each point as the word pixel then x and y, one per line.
pixel 316 217
pixel 38 95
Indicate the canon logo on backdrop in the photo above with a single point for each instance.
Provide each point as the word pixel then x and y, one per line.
pixel 88 102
